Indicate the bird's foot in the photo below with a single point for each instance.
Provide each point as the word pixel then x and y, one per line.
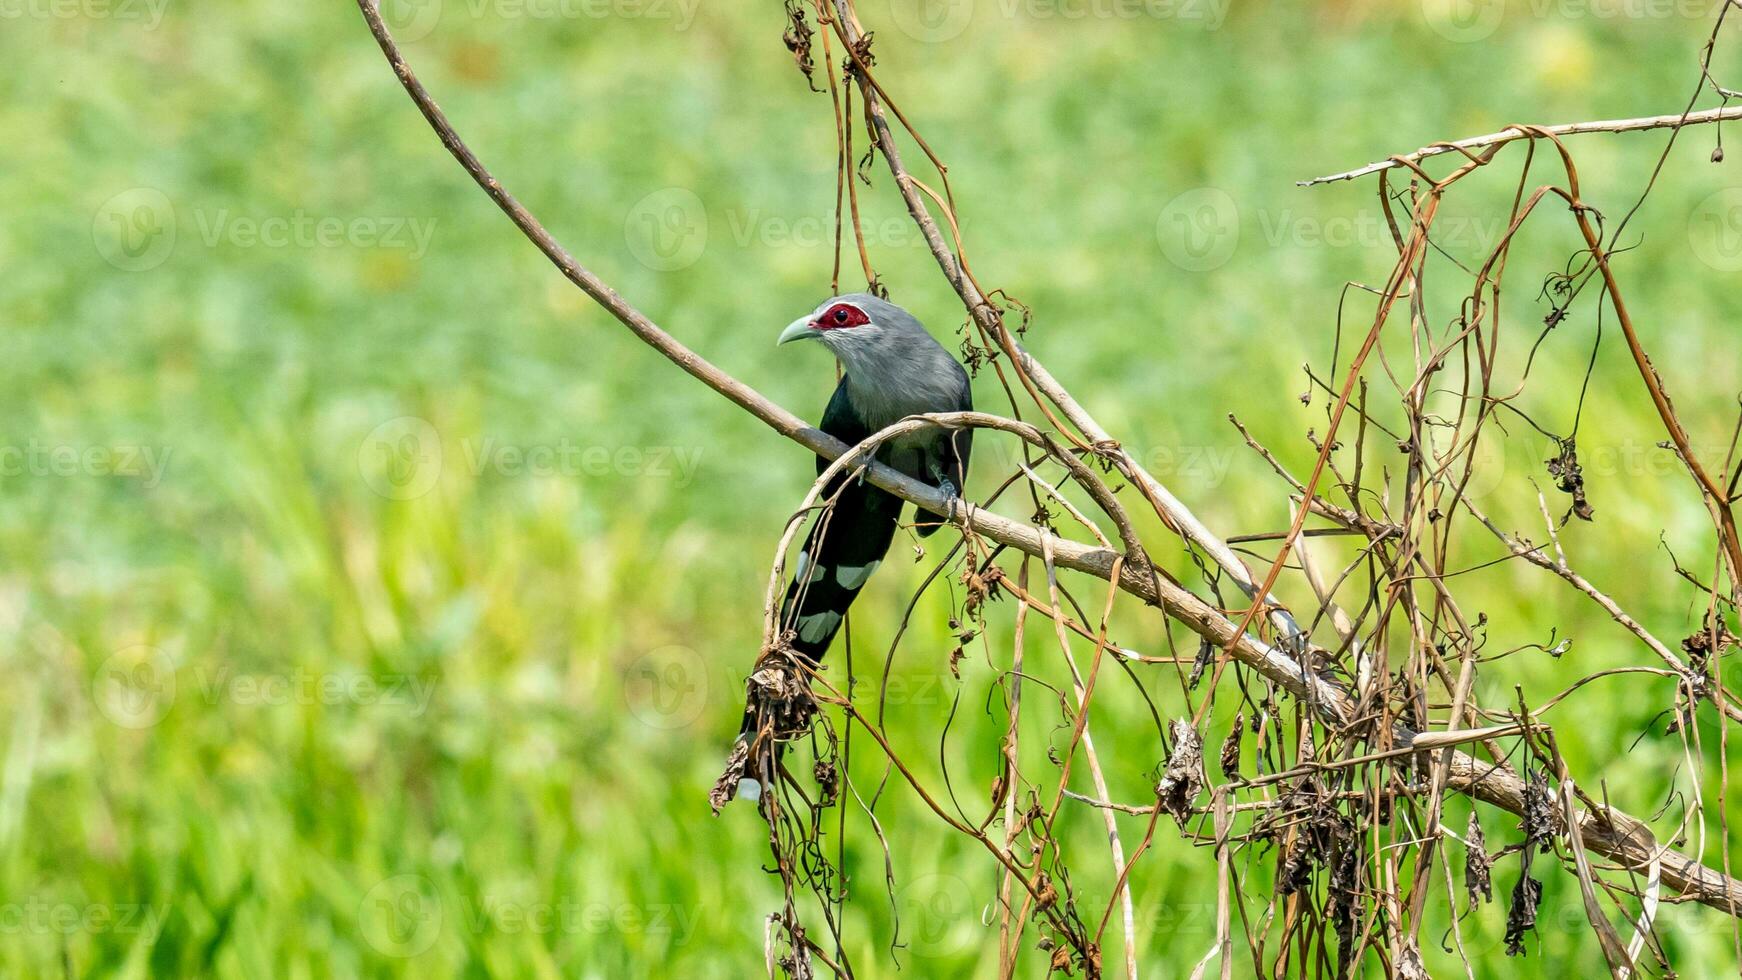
pixel 951 496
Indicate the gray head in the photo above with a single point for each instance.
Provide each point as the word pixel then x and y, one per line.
pixel 894 367
pixel 863 331
pixel 854 326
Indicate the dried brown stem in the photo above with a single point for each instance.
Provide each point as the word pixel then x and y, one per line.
pixel 1511 133
pixel 1400 548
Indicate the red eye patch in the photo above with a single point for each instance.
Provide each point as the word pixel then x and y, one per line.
pixel 841 316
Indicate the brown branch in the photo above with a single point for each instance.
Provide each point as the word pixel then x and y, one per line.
pixel 1611 833
pixel 1512 133
pixel 1034 375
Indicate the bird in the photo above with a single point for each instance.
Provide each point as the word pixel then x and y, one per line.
pixel 893 369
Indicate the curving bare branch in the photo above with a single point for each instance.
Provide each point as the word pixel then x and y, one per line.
pixel 1404 547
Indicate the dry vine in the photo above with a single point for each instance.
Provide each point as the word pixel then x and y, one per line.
pixel 1352 715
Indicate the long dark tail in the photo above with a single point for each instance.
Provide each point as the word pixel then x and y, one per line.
pixel 845 546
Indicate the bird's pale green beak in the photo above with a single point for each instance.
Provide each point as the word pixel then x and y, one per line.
pixel 799 329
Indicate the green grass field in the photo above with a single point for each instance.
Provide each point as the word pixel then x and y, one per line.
pixel 373 605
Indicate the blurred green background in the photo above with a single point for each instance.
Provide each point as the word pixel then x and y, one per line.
pixel 373 605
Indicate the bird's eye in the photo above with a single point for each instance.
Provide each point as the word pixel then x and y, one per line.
pixel 840 316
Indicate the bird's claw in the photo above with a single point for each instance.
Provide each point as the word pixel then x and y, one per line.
pixel 951 497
